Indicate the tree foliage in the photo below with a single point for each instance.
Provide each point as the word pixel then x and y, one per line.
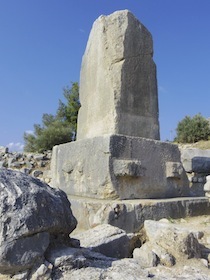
pixel 57 129
pixel 68 112
pixel 191 130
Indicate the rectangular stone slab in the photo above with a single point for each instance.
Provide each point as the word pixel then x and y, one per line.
pixel 119 167
pixel 130 215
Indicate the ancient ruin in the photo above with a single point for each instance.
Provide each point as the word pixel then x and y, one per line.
pixel 117 160
pixel 118 86
pixel 114 156
pixel 125 186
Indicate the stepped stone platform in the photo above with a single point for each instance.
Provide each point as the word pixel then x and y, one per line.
pixel 117 171
pixel 130 215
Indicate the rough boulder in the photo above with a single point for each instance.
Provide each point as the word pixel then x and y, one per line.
pixel 32 215
pixel 167 244
pixel 107 240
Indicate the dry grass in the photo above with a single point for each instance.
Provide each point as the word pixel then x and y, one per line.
pixel 203 145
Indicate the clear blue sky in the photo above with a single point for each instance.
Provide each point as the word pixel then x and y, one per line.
pixel 42 43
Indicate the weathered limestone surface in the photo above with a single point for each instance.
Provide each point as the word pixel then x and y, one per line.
pixel 145 256
pixel 207 186
pixel 167 244
pixel 197 165
pixel 76 263
pixel 118 166
pixel 117 155
pixel 180 242
pixel 31 215
pixel 35 222
pixel 130 215
pixel 107 240
pixel 196 160
pixel 118 87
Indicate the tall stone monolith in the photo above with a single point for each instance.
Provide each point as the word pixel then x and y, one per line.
pixel 117 154
pixel 118 86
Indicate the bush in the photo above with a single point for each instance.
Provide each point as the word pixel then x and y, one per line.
pixel 191 130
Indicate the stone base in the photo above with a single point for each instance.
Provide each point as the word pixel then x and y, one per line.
pixel 130 215
pixel 119 167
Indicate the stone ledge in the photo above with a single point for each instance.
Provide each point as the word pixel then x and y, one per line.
pixel 130 215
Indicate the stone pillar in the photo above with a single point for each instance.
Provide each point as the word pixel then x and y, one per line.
pixel 117 154
pixel 118 86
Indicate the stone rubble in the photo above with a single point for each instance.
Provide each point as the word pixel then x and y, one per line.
pixel 38 219
pixel 35 164
pixel 108 240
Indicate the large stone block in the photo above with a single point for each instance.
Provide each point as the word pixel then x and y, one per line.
pixel 118 86
pixel 195 160
pixel 117 166
pixel 107 240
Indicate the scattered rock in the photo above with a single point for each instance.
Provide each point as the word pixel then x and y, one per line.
pixel 106 239
pixel 74 264
pixel 167 260
pixel 150 255
pixel 204 262
pixel 176 241
pixel 3 150
pixel 37 165
pixel 146 256
pixel 42 272
pixel 37 173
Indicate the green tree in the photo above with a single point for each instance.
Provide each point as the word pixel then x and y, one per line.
pixel 58 129
pixel 191 130
pixel 68 112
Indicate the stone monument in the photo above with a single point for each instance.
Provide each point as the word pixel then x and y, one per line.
pixel 117 154
pixel 118 87
pixel 117 171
